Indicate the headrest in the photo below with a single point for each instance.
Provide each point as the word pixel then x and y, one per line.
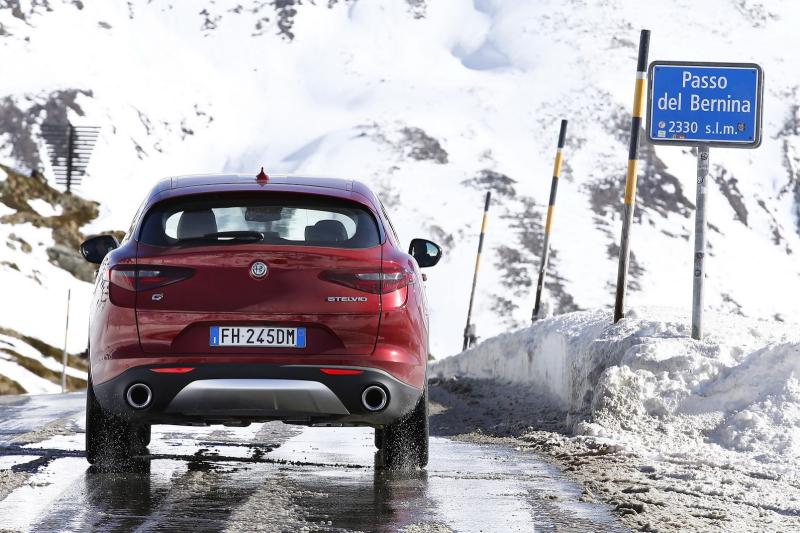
pixel 193 224
pixel 326 231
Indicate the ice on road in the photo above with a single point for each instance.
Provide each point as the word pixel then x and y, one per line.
pixel 270 477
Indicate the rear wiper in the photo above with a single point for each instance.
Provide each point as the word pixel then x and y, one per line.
pixel 235 235
pixel 226 236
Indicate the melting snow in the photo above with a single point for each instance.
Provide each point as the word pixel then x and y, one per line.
pixel 644 384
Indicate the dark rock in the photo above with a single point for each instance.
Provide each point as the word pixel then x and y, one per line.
pixel 422 147
pixel 71 261
pixel 417 8
pixel 730 189
pixel 498 183
pixel 20 122
pixel 286 12
pixel 18 189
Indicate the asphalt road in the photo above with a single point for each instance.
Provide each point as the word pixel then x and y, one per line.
pixel 270 477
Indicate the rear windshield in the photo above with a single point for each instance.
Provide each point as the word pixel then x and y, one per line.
pixel 275 219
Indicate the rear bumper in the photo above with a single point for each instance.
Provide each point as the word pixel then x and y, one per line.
pixel 241 393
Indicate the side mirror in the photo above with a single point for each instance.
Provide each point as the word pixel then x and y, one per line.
pixel 426 253
pixel 95 249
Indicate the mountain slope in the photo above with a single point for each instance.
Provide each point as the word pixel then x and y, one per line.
pixel 39 235
pixel 431 103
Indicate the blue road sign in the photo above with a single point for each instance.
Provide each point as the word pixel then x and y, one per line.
pixel 715 104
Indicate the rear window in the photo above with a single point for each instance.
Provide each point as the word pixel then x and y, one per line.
pixel 275 219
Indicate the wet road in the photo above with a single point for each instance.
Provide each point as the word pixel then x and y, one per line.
pixel 270 477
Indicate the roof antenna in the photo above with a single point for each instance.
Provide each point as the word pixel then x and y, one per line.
pixel 262 176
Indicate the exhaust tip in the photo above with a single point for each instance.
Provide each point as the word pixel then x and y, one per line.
pixel 374 398
pixel 139 396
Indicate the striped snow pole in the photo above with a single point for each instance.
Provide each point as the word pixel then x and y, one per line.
pixel 562 135
pixel 630 179
pixel 469 332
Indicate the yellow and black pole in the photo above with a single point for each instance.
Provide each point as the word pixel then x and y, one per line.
pixel 562 135
pixel 469 330
pixel 630 179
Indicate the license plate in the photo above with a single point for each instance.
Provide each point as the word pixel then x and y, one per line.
pixel 258 336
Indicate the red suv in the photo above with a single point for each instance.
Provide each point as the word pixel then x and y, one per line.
pixel 237 299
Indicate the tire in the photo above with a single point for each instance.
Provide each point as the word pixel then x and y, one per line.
pixel 404 444
pixel 110 440
pixel 143 434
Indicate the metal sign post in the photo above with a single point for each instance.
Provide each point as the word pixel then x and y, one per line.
pixel 562 135
pixel 699 243
pixel 469 330
pixel 64 353
pixel 704 104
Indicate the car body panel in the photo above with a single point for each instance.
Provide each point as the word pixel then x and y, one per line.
pixel 222 292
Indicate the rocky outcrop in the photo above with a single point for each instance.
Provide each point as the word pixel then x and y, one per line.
pixel 74 212
pixel 409 142
pixel 499 183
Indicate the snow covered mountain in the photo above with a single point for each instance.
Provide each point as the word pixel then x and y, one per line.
pixel 430 103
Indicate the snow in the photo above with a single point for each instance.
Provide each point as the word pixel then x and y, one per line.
pixel 9 461
pixel 645 385
pixel 44 208
pixel 23 507
pixel 34 303
pixel 488 80
pixel 27 379
pixel 35 292
pixel 26 350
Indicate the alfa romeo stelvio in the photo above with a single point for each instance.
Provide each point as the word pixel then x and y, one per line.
pixel 238 299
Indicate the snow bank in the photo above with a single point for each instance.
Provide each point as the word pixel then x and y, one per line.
pixel 645 384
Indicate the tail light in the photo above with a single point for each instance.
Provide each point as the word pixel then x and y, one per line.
pixel 341 371
pixel 143 278
pixel 389 280
pixel 172 370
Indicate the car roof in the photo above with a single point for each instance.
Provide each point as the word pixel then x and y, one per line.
pixel 197 180
pixel 175 186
